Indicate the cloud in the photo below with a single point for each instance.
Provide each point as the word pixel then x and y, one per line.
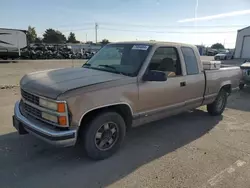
pixel 217 16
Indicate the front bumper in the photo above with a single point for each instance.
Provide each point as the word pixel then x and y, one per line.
pixel 41 130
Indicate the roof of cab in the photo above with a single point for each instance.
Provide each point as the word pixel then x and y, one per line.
pixel 158 43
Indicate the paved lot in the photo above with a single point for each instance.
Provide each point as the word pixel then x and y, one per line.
pixel 189 150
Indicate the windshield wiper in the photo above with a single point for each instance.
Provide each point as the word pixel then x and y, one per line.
pixel 86 65
pixel 108 66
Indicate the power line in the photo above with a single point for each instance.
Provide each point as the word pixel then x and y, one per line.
pixel 149 26
pixel 171 32
pixel 82 29
pixel 172 26
pixel 69 30
pixel 70 24
pixel 66 31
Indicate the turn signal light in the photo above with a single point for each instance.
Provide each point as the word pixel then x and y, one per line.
pixel 62 120
pixel 61 107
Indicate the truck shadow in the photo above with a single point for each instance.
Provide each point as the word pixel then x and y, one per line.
pixel 240 100
pixel 28 162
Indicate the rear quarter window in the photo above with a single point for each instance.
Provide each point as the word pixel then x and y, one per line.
pixel 190 60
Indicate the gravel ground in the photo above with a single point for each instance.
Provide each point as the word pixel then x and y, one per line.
pixel 189 150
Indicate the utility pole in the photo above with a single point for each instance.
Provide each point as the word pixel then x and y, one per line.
pixel 96 27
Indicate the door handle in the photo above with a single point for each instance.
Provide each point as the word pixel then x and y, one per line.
pixel 182 84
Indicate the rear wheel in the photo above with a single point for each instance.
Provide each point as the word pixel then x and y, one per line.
pixel 218 106
pixel 104 135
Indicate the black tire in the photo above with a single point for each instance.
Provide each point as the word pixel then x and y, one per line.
pixel 218 106
pixel 89 133
pixel 241 86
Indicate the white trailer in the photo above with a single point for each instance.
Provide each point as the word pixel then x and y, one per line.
pixel 12 41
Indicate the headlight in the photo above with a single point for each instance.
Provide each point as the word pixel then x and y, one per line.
pixel 60 120
pixel 56 106
pixel 49 117
pixel 48 104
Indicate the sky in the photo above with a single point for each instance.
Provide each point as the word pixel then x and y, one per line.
pixel 189 21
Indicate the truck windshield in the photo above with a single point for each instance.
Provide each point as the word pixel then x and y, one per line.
pixel 119 58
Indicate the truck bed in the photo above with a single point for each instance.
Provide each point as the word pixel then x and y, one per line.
pixel 215 79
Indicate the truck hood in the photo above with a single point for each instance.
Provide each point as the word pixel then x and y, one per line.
pixel 52 83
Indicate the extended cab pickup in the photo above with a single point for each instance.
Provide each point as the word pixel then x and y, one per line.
pixel 124 85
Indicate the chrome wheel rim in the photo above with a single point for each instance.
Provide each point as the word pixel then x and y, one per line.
pixel 106 136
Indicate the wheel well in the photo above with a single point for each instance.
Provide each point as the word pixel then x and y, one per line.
pixel 122 109
pixel 227 88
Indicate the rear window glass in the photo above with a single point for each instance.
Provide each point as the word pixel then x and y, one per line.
pixel 190 60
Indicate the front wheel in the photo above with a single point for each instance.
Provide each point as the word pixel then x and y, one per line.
pixel 218 106
pixel 104 135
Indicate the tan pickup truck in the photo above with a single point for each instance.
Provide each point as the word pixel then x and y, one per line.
pixel 124 85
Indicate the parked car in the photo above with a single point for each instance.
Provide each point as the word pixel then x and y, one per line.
pixel 97 103
pixel 211 52
pixel 245 67
pixel 224 55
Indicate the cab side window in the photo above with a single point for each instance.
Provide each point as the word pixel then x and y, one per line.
pixel 190 60
pixel 166 59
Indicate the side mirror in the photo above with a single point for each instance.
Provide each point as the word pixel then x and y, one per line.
pixel 154 75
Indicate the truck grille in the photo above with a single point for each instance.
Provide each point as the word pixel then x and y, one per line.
pixel 32 111
pixel 29 97
pixel 29 106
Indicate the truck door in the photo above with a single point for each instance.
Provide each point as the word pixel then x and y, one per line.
pixel 194 79
pixel 158 99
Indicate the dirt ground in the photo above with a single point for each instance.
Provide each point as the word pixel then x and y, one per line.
pixel 11 73
pixel 192 149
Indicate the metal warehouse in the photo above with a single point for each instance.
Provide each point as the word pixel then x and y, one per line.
pixel 242 48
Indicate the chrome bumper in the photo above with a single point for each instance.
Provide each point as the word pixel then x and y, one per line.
pixel 41 130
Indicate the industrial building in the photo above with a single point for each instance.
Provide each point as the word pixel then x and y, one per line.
pixel 242 47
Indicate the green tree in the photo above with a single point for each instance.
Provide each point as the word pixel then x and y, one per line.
pixel 217 46
pixel 72 38
pixel 53 36
pixel 38 40
pixel 105 41
pixel 31 34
